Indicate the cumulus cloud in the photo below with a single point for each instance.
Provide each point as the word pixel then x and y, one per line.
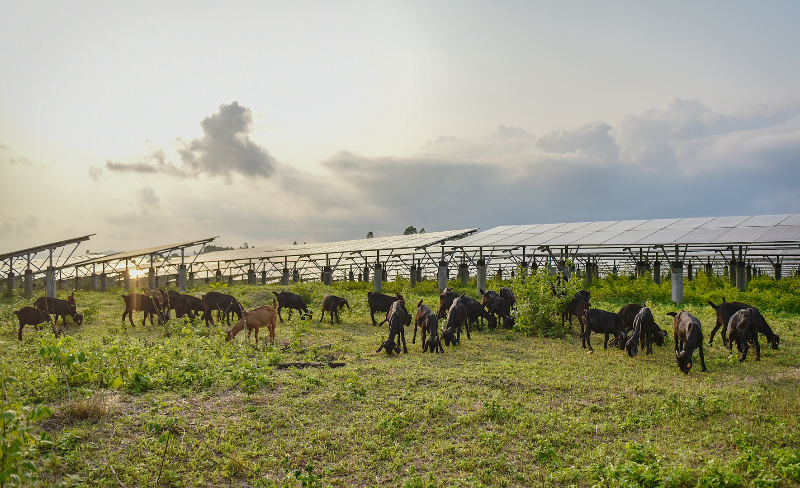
pixel 146 196
pixel 16 227
pixel 224 150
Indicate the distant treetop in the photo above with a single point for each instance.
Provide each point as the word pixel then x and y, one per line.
pixel 410 230
pixel 369 235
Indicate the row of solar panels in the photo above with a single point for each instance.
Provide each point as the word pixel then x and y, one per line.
pixel 695 231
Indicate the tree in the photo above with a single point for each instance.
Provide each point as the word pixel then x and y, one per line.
pixel 422 230
pixel 369 235
pixel 295 243
pixel 410 230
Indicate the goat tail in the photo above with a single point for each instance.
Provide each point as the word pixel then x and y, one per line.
pixel 274 303
pixel 715 306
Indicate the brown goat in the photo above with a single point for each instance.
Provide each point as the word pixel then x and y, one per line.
pixel 266 316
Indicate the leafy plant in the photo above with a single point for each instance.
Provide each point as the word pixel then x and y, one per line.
pixel 165 431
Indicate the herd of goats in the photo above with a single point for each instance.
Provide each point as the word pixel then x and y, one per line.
pixel 632 327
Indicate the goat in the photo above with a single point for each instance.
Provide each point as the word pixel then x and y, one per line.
pixel 378 302
pixel 255 319
pixel 226 304
pixel 742 328
pixel 136 302
pixel 688 337
pixel 601 322
pixel 476 312
pixel 575 308
pixel 292 301
pixel 427 321
pixel 628 313
pixel 725 311
pixel 456 318
pixel 175 301
pixel 645 332
pixel 59 308
pixel 398 318
pixel 496 305
pixel 446 298
pixel 34 317
pixel 194 306
pixel 332 304
pixel 508 295
pixel 419 320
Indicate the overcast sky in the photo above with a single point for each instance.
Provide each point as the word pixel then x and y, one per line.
pixel 270 122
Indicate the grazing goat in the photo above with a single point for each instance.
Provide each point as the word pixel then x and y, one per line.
pixel 427 321
pixel 496 305
pixel 476 312
pixel 456 318
pixel 194 306
pixel 378 302
pixel 742 328
pixel 688 337
pixel 176 301
pixel 226 304
pixel 34 317
pixel 292 301
pixel 398 318
pixel 725 311
pixel 601 322
pixel 59 308
pixel 508 295
pixel 255 319
pixel 628 313
pixel 446 298
pixel 332 304
pixel 136 302
pixel 645 332
pixel 574 308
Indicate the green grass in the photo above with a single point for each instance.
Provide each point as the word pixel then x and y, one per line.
pixel 507 408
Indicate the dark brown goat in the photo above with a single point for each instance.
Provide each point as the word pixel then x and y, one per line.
pixel 378 302
pixel 194 306
pixel 742 328
pixel 628 313
pixel 226 304
pixel 34 317
pixel 136 302
pixel 725 311
pixel 496 305
pixel 476 313
pixel 59 308
pixel 645 332
pixel 332 304
pixel 398 319
pixel 292 301
pixel 574 308
pixel 427 321
pixel 688 337
pixel 601 322
pixel 508 295
pixel 446 298
pixel 456 318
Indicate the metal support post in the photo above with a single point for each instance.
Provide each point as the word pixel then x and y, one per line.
pixel 50 282
pixel 378 277
pixel 443 274
pixel 103 281
pixel 126 280
pixel 151 278
pixel 28 289
pixel 741 276
pixel 327 275
pixel 677 282
pixel 463 273
pixel 481 275
pixel 657 272
pixel 413 275
pixel 285 277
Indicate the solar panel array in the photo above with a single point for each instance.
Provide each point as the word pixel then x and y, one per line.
pixel 412 242
pixel 709 231
pixel 121 256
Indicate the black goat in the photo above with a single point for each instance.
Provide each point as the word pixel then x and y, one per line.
pixel 136 302
pixel 508 295
pixel 332 304
pixel 688 337
pixel 292 301
pixel 398 318
pixel 645 332
pixel 378 302
pixel 476 313
pixel 628 313
pixel 725 311
pixel 223 303
pixel 456 318
pixel 59 308
pixel 177 302
pixel 601 322
pixel 194 306
pixel 34 317
pixel 496 305
pixel 427 321
pixel 742 328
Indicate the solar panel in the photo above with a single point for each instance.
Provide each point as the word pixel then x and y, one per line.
pixel 572 226
pixel 629 237
pixel 625 225
pixel 781 233
pixel 596 226
pixel 545 228
pixel 721 222
pixel 791 220
pixel 764 220
pixel 690 223
pixel 742 234
pixel 596 238
pixel 700 236
pixel 656 224
pixel 664 236
pixel 567 238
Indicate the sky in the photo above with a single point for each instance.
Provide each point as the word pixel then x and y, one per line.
pixel 149 123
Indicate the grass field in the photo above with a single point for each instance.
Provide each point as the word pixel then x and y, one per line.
pixel 179 405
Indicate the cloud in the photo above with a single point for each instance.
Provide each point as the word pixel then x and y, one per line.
pixel 592 139
pixel 15 227
pixel 224 150
pixel 146 196
pixel 20 161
